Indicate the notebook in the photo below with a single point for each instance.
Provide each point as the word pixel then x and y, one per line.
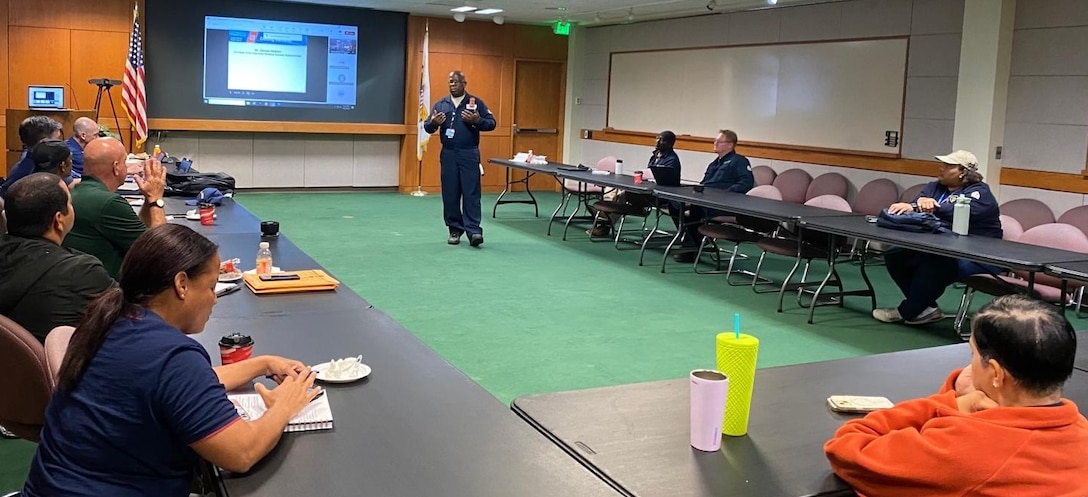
pixel 316 416
pixel 310 280
pixel 666 176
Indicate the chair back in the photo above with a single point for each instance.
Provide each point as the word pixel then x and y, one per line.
pixel 1029 212
pixel 26 385
pixel 833 202
pixel 1077 216
pixel 1011 228
pixel 828 184
pixel 764 175
pixel 766 191
pixel 911 193
pixel 1055 235
pixel 56 345
pixel 793 183
pixel 605 164
pixel 875 196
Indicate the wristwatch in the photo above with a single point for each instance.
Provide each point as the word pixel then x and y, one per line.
pixel 158 203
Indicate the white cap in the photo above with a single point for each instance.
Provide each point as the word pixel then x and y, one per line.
pixel 264 245
pixel 960 158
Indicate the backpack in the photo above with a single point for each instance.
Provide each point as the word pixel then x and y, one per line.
pixel 191 182
pixel 914 222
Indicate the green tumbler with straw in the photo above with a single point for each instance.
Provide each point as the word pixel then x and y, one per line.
pixel 736 357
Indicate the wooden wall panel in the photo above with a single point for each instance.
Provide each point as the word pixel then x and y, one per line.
pixel 97 54
pixel 37 56
pixel 97 15
pixel 538 42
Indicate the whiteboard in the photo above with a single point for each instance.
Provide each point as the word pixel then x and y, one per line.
pixel 839 95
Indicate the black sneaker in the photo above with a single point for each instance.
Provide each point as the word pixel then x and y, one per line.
pixel 476 239
pixel 684 257
pixel 455 238
pixel 4 433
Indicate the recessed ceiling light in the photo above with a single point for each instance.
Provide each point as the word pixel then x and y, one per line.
pixel 488 11
pixel 463 9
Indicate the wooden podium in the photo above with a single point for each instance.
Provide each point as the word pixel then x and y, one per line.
pixel 13 117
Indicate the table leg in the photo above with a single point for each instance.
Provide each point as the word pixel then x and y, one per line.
pixel 582 192
pixel 675 238
pixel 506 189
pixel 562 200
pixel 646 239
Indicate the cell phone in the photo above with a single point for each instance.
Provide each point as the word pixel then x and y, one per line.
pixel 279 277
pixel 871 219
pixel 857 404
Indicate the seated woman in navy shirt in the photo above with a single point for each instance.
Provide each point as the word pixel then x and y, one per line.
pixel 138 402
pixel 923 277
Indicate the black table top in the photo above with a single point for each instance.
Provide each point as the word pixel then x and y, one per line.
pixel 549 168
pixel 739 203
pixel 415 427
pixel 1081 361
pixel 611 180
pixel 231 217
pixel 1077 271
pixel 994 251
pixel 636 436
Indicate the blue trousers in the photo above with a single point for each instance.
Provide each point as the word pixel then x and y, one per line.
pixel 460 177
pixel 923 277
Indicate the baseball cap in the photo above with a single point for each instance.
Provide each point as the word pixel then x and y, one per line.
pixel 960 158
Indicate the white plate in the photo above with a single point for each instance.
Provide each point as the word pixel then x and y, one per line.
pixel 361 371
pixel 192 215
pixel 227 277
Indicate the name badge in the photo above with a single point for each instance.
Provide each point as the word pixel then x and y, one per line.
pixel 449 133
pixel 471 104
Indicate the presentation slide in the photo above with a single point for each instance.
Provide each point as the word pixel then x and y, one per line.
pixel 270 63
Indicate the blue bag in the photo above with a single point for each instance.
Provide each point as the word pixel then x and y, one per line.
pixel 914 222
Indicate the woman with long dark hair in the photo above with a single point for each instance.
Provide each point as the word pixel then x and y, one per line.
pixel 137 401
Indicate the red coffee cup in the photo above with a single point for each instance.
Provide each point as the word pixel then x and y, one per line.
pixel 235 347
pixel 207 214
pixel 638 177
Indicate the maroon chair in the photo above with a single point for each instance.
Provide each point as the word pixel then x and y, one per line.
pixel 746 229
pixel 1046 287
pixel 764 175
pixel 793 183
pixel 911 193
pixel 26 385
pixel 1010 228
pixel 828 184
pixel 1077 216
pixel 875 196
pixel 1029 212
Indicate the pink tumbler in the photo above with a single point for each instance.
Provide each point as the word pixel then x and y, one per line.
pixel 708 390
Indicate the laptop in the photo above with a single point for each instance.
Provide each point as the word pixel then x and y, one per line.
pixel 45 97
pixel 666 176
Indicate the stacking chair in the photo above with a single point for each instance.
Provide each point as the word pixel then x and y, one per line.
pixel 793 183
pixel 1046 287
pixel 1077 216
pixel 1011 228
pixel 56 345
pixel 747 229
pixel 911 193
pixel 809 245
pixel 26 385
pixel 828 184
pixel 764 175
pixel 872 198
pixel 623 210
pixel 583 191
pixel 1029 212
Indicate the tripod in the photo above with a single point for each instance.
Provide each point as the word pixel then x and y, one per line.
pixel 104 86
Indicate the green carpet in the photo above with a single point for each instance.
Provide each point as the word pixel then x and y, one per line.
pixel 528 313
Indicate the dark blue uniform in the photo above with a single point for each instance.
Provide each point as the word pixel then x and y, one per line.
pixel 77 157
pixel 731 172
pixel 923 277
pixel 460 162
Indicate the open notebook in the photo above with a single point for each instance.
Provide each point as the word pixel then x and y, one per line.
pixel 316 416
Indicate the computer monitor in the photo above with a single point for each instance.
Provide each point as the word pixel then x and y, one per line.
pixel 46 97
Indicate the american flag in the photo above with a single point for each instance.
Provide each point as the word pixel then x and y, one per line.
pixel 133 97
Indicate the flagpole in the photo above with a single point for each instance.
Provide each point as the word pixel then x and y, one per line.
pixel 424 91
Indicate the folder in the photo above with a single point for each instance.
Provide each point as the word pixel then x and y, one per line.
pixel 310 280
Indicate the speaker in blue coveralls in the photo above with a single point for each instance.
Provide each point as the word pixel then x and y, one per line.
pixel 460 117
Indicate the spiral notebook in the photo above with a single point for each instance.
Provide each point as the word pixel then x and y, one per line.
pixel 316 416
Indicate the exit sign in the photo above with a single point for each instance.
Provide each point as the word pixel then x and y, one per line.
pixel 561 28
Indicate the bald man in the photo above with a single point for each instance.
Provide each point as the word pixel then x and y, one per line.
pixel 83 131
pixel 106 226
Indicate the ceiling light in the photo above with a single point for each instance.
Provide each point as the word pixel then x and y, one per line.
pixel 466 8
pixel 498 19
pixel 459 17
pixel 488 11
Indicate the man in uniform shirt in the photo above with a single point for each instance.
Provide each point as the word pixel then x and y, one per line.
pixel 461 117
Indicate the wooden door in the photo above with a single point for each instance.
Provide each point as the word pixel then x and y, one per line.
pixel 538 113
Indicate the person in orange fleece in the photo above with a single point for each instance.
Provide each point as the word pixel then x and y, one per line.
pixel 997 427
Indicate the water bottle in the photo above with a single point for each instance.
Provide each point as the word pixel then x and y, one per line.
pixel 264 259
pixel 961 215
pixel 529 159
pixel 157 153
pixel 619 167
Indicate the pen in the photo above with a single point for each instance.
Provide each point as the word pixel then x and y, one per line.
pixel 229 291
pixel 318 396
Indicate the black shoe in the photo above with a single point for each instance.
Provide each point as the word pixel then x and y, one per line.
pixel 476 239
pixel 454 239
pixel 686 257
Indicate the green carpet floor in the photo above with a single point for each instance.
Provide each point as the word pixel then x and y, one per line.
pixel 528 313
